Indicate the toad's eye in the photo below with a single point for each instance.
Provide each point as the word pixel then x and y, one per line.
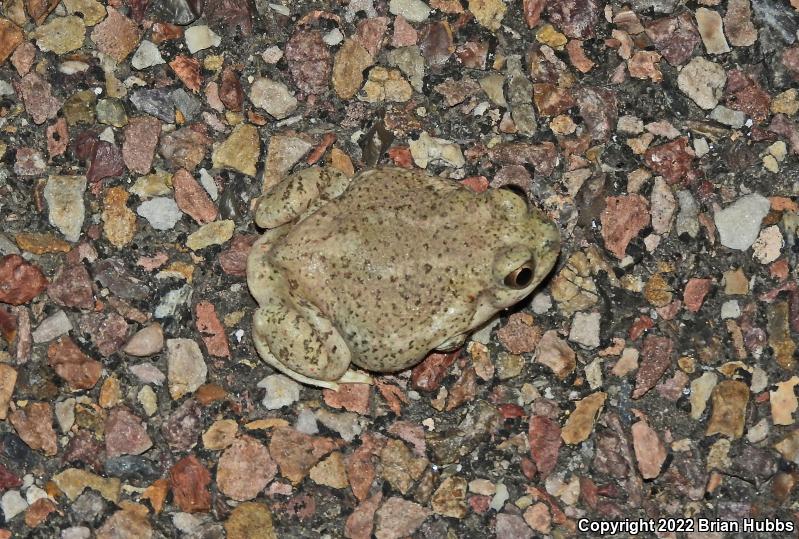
pixel 521 277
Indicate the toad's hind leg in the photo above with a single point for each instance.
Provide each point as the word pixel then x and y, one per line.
pixel 298 194
pixel 299 338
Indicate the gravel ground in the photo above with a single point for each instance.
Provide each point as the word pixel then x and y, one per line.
pixel 652 377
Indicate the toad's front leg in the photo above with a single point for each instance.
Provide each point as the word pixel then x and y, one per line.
pixel 297 339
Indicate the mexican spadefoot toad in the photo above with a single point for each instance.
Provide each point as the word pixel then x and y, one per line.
pixel 380 269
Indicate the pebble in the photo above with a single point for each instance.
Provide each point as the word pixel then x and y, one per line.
pixel 192 199
pixel 73 481
pixel 148 400
pixel 655 360
pixel 347 425
pixel 178 12
pixel 76 532
pixel 91 11
pixel 738 23
pixel 687 221
pixel 280 391
pixel 250 520
pixel 488 13
pixel 161 212
pixel 622 219
pixel 730 309
pixel 649 450
pixel 11 36
pixel 211 329
pixel 189 480
pixel 712 31
pixel 273 97
pixel 184 148
pixel 20 281
pixel 111 111
pixel 8 379
pixel 188 71
pixel 510 526
pixel 240 151
pixel 200 37
pixel 783 402
pixel 52 327
pixel 538 518
pixel 132 518
pixel 119 222
pixel 72 287
pixel 410 10
pixel 215 233
pixel 155 102
pixel 108 331
pixel 244 469
pixel 399 518
pixel 141 139
pixel 408 59
pixel 284 152
pixel 12 503
pixel 730 398
pixel 585 329
pixel 146 56
pixel 330 472
pixel 309 61
pixel 34 424
pixel 703 81
pixel 580 423
pixel 61 35
pixel 306 422
pixel 186 103
pixel 575 18
pixel 400 467
pixel 208 183
pixel 6 88
pixel 116 36
pixel 426 150
pixel 70 363
pixel 788 447
pixel 146 342
pixel 183 426
pixel 172 301
pixel 555 353
pixel 738 224
pixel 110 393
pixel 385 85
pixel 519 90
pixel 29 162
pixel 333 37
pixel 294 463
pixel 148 373
pixel 125 434
pixel 114 275
pixel 768 245
pixel 221 434
pixel 726 116
pixel 520 335
pixel 39 100
pixel 186 369
pixel 228 94
pixel 449 499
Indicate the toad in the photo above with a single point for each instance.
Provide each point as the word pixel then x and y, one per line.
pixel 378 270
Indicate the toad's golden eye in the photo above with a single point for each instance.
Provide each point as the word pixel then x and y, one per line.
pixel 521 277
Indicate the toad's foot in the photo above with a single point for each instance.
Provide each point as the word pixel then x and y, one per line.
pixel 349 377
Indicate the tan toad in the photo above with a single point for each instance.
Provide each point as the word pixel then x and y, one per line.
pixel 380 269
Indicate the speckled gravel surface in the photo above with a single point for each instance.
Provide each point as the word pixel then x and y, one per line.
pixel 653 376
